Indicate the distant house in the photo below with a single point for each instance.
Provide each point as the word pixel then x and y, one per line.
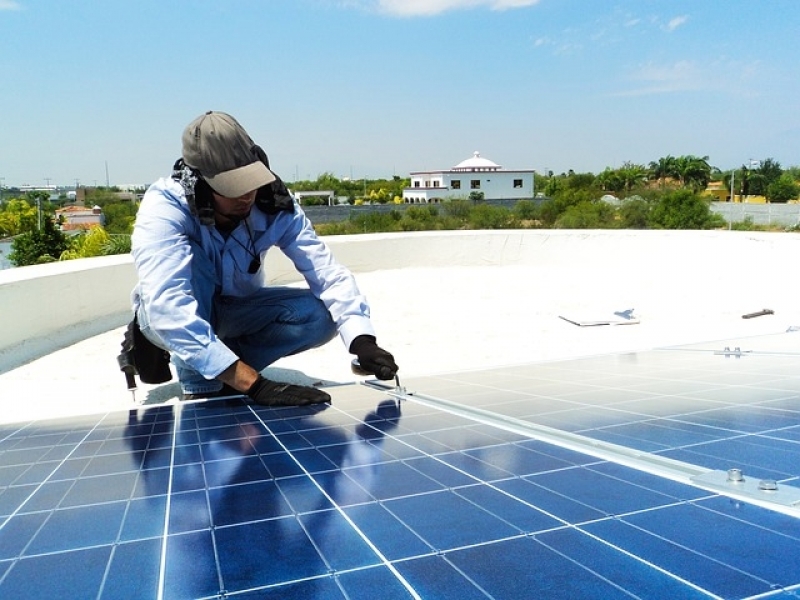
pixel 328 196
pixel 719 192
pixel 75 218
pixel 475 174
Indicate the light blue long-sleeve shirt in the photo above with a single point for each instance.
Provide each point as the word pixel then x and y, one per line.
pixel 164 237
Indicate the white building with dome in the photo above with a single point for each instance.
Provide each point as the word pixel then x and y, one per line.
pixel 475 174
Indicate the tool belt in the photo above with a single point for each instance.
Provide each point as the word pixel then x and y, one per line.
pixel 142 357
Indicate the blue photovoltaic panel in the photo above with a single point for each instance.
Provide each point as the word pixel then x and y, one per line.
pixel 377 497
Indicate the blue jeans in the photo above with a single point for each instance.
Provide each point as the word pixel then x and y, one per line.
pixel 260 328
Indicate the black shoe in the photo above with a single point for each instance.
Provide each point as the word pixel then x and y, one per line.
pixel 226 392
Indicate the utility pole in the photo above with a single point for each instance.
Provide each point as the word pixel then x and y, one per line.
pixel 730 215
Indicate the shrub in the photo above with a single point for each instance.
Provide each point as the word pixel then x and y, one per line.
pixel 38 246
pixel 587 215
pixel 684 209
pixel 486 216
pixel 634 213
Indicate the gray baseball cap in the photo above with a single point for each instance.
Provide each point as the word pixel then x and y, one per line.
pixel 220 149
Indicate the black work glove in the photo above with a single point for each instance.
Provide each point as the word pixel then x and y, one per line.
pixel 272 393
pixel 373 358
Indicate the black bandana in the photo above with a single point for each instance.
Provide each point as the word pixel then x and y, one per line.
pixel 271 198
pixel 198 192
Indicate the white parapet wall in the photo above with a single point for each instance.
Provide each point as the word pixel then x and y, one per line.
pixel 46 307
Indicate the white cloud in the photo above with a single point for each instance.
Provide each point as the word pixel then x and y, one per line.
pixel 723 76
pixel 9 5
pixel 681 76
pixel 676 22
pixel 426 8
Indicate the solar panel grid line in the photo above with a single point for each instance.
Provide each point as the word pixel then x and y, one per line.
pixel 672 469
pixel 784 594
pixel 463 574
pixel 162 566
pixel 634 557
pixel 525 534
pixel 699 554
pixel 501 405
pixel 456 548
pixel 41 483
pixel 472 477
pixel 361 534
pixel 313 439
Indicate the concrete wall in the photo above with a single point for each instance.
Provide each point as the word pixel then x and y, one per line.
pixel 332 214
pixel 786 215
pixel 46 307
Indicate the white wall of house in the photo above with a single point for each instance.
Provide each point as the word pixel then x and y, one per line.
pixel 472 175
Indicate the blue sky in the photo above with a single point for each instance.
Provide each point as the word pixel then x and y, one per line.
pixel 376 88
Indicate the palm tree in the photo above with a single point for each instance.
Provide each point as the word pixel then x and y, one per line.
pixel 632 175
pixel 663 168
pixel 693 171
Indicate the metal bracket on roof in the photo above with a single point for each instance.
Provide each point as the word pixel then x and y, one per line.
pixel 737 352
pixel 783 498
pixel 764 492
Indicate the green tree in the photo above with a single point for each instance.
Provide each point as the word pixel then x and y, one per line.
pixel 118 243
pixel 783 189
pixel 634 213
pixel 17 216
pixel 611 181
pixel 662 169
pixel 684 209
pixel 119 217
pixel 553 186
pixel 552 209
pixel 770 169
pixel 581 181
pixel 100 196
pixel 631 176
pixel 693 171
pixel 87 244
pixel 754 183
pixel 38 246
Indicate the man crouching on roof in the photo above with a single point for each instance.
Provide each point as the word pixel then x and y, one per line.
pixel 198 245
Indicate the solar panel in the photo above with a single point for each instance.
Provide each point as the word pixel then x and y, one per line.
pixel 573 479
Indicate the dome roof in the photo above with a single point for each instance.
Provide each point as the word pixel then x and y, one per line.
pixel 476 163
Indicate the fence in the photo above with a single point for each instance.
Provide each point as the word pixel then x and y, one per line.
pixel 332 214
pixel 787 215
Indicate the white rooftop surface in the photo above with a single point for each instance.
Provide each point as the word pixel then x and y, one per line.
pixel 465 301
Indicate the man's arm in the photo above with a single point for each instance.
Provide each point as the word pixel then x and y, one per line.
pixel 163 253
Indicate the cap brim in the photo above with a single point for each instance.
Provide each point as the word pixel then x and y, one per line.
pixel 238 182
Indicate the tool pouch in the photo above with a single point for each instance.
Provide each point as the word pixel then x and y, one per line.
pixel 141 357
